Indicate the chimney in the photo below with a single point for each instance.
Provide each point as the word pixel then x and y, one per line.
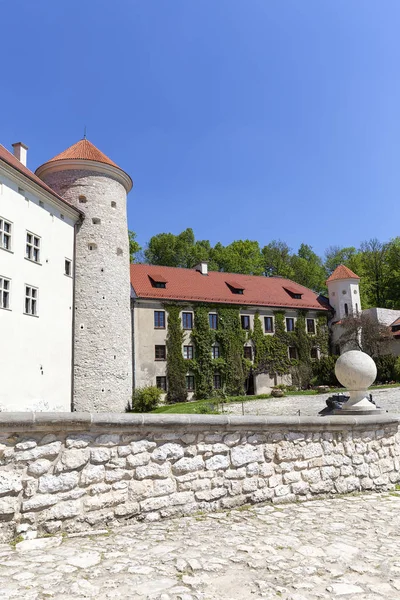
pixel 20 152
pixel 202 267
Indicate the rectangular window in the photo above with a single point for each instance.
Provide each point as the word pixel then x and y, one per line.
pixel 289 324
pixel 292 352
pixel 68 267
pixel 217 381
pixel 187 320
pixel 248 352
pixel 159 319
pixel 314 352
pixel 31 298
pixel 5 234
pixel 32 247
pixel 215 352
pixel 187 352
pixel 310 326
pixel 160 352
pixel 213 320
pixel 245 319
pixel 5 285
pixel 269 325
pixel 161 383
pixel 190 383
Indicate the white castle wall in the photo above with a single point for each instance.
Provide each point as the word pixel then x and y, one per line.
pixel 102 353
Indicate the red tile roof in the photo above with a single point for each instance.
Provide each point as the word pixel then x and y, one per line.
pixel 84 150
pixel 190 285
pixel 342 272
pixel 12 161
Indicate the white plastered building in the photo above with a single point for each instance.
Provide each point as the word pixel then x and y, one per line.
pixel 37 233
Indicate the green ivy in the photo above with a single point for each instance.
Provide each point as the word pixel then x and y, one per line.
pixel 322 335
pixel 203 367
pixel 302 340
pixel 176 364
pixel 231 338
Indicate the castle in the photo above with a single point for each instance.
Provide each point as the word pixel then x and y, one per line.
pixel 80 328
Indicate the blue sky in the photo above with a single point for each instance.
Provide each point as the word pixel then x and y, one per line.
pixel 256 119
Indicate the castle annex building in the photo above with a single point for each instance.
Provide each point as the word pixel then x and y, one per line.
pixel 153 287
pixel 64 282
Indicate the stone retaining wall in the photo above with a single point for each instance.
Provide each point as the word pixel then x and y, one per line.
pixel 69 472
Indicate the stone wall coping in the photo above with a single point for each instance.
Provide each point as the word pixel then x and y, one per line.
pixel 76 421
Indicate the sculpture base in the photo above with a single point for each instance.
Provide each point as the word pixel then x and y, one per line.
pixel 365 411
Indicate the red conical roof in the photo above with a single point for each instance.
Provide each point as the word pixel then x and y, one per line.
pixel 84 150
pixel 342 272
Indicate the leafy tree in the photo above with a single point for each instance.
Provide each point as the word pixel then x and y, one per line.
pixel 308 269
pixel 374 272
pixel 362 332
pixel 277 260
pixel 241 256
pixel 335 256
pixel 134 247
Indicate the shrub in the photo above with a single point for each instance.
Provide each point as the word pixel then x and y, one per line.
pixel 146 399
pixel 396 371
pixel 324 371
pixel 385 366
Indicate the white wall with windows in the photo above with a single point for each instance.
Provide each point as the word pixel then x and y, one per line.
pixel 36 296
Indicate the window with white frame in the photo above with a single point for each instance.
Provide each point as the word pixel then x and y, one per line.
pixel 32 247
pixel 68 267
pixel 5 285
pixel 5 234
pixel 31 298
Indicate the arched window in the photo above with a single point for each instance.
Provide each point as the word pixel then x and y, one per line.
pixel 346 309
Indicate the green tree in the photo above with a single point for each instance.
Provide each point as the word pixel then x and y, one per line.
pixel 374 272
pixel 335 256
pixel 134 247
pixel 308 269
pixel 176 366
pixel 241 256
pixel 277 260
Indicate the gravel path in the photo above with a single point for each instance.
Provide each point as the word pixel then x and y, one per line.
pixel 339 548
pixel 388 399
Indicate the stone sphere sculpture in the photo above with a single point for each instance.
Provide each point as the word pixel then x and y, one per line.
pixel 356 371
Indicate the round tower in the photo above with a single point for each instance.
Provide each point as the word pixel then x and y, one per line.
pixel 89 180
pixel 344 292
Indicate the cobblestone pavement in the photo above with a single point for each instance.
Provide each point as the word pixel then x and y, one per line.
pixel 388 399
pixel 339 548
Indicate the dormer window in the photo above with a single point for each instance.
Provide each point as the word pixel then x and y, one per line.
pixel 235 288
pixel 293 292
pixel 158 281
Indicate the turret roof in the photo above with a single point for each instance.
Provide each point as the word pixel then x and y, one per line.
pixel 342 272
pixel 84 150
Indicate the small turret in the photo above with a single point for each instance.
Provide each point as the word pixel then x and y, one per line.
pixel 344 292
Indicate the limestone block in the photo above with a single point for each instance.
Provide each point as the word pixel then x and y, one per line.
pixel 311 476
pixel 231 439
pixel 295 436
pixel 291 477
pixel 236 473
pixel 163 487
pixel 252 469
pixel 124 450
pixel 374 471
pixel 262 495
pixel 116 475
pixel 275 480
pixel 39 467
pixel 188 438
pixel 250 485
pixel 386 465
pixel 312 451
pixel 340 485
pixel 30 486
pixel 347 470
pixel 209 495
pixel 213 438
pixel 154 471
pixel 167 451
pixel 78 440
pixel 329 472
pixel 300 488
pixel 26 445
pixel 257 438
pixel 46 451
pixel 266 470
pixel 99 455
pixel 72 459
pixel 142 446
pixel 236 488
pixel 92 474
pixel 105 500
pixel 108 439
pixel 353 484
pixel 269 451
pixel 285 451
pixel 282 490
pixel 179 498
pixel 243 455
pixel 217 462
pixel 187 464
pixel 190 451
pixel 99 488
pixel 58 483
pixel 285 467
pixel 322 487
pixel 362 470
pixel 154 504
pixel 10 483
pixel 8 507
pixel 138 490
pixel 120 485
pixel 138 460
pixel 38 502
pixel 366 483
pixel 371 457
pixel 128 509
pixel 383 480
